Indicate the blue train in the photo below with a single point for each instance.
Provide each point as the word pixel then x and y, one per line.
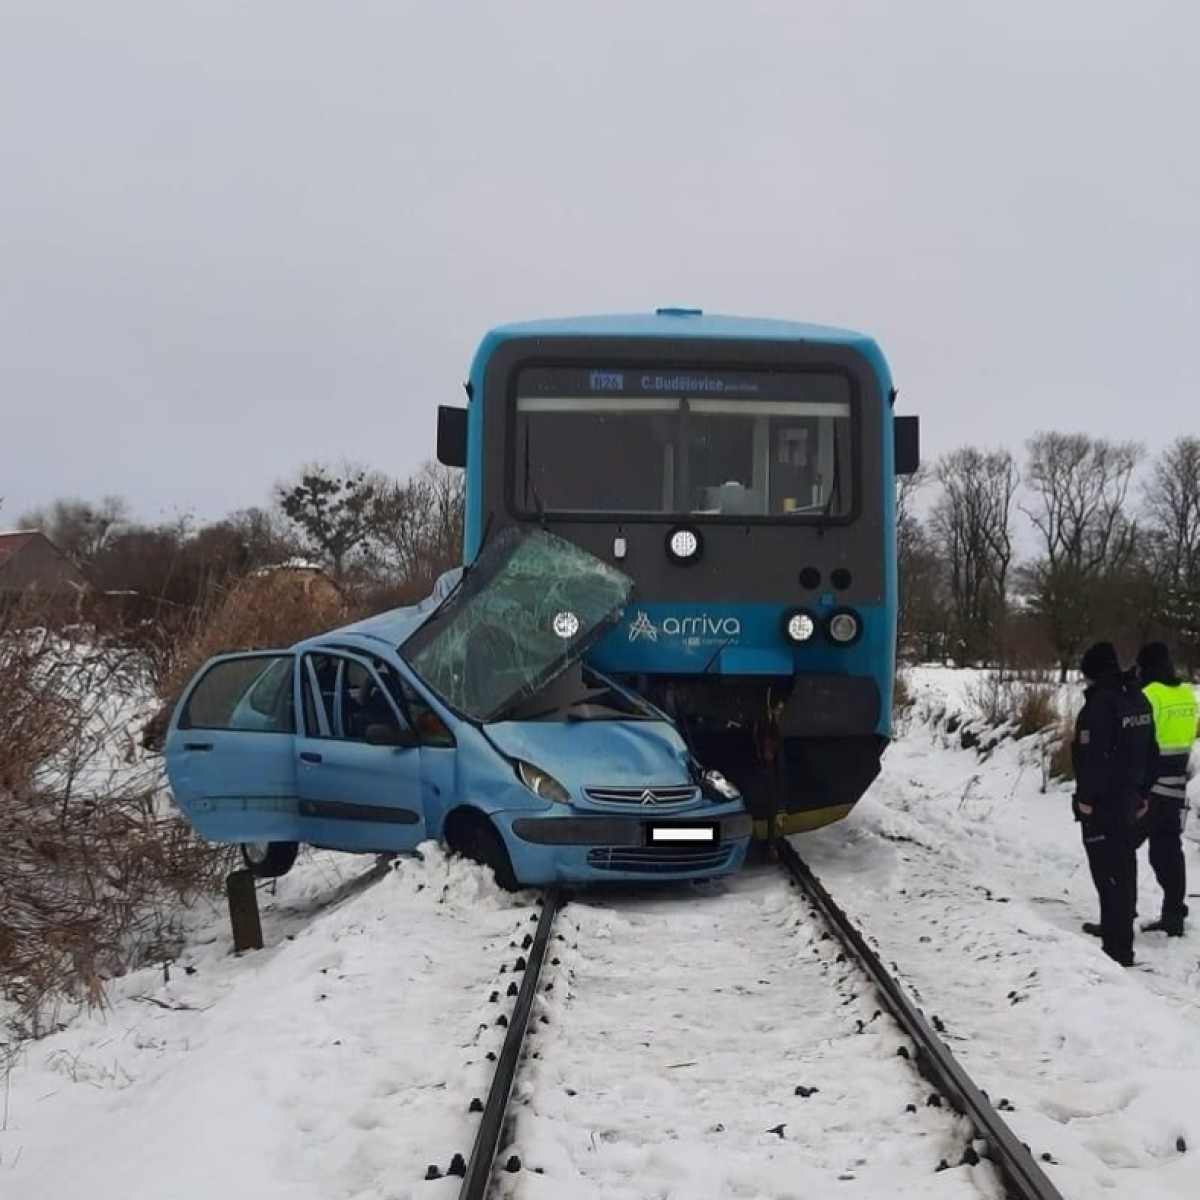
pixel 742 473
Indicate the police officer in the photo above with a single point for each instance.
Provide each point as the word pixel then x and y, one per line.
pixel 1115 757
pixel 1176 717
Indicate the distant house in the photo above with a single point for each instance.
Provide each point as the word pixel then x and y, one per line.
pixel 31 562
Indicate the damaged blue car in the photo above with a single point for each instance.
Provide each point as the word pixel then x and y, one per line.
pixel 469 718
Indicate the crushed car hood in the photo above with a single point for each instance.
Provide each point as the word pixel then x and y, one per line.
pixel 582 754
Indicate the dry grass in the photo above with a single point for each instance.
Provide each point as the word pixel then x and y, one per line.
pixel 1023 707
pixel 94 865
pixel 1058 761
pixel 263 612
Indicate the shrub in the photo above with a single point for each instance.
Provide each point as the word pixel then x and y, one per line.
pixel 1058 760
pixel 271 610
pixel 1036 709
pixel 1024 707
pixel 94 864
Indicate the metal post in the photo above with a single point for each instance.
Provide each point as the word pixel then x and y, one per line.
pixel 243 911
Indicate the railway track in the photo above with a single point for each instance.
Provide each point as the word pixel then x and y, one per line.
pixel 962 1128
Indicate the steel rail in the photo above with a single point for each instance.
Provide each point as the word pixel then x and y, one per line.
pixel 1022 1176
pixel 491 1125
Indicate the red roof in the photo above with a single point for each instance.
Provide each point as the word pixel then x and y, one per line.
pixel 12 543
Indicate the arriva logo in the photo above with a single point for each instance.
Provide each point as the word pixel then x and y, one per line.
pixel 701 626
pixel 643 627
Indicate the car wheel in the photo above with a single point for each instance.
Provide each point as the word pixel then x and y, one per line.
pixel 269 860
pixel 482 844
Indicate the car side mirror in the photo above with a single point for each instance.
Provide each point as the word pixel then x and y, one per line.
pixel 389 735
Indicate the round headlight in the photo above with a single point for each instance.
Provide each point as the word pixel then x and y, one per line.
pixel 566 625
pixel 684 544
pixel 799 626
pixel 844 627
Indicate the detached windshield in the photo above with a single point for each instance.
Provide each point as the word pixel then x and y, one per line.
pixel 528 608
pixel 667 442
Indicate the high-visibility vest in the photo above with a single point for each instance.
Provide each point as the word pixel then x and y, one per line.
pixel 1176 726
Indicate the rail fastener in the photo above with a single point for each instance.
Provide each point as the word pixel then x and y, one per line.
pixel 1022 1176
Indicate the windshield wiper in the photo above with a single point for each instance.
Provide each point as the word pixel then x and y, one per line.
pixel 530 486
pixel 835 487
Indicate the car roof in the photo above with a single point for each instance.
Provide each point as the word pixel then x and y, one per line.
pixel 392 627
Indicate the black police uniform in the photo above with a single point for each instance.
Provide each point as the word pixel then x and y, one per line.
pixel 1115 758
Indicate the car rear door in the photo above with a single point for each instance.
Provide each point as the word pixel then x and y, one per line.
pixel 352 794
pixel 230 751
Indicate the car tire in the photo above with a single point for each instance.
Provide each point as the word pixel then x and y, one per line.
pixel 269 860
pixel 482 844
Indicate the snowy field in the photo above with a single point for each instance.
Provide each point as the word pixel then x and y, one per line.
pixel 340 1062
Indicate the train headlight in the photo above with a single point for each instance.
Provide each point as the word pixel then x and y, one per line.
pixel 799 626
pixel 844 627
pixel 684 544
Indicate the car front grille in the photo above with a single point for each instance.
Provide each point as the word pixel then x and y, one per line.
pixel 647 797
pixel 659 860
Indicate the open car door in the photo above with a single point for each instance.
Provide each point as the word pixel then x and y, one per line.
pixel 229 749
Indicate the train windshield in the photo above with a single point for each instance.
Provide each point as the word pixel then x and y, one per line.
pixel 526 610
pixel 664 442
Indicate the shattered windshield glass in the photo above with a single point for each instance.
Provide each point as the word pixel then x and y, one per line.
pixel 529 607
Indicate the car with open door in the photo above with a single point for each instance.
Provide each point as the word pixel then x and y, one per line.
pixel 470 718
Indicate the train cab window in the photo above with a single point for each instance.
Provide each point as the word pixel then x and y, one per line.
pixel 721 445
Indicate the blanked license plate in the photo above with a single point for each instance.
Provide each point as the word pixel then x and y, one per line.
pixel 690 833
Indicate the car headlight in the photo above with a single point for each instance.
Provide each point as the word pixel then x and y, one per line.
pixel 716 782
pixel 542 784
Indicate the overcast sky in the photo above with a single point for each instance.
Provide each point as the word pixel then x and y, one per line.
pixel 236 236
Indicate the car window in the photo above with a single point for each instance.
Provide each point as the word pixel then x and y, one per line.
pixel 319 681
pixel 431 729
pixel 350 695
pixel 252 694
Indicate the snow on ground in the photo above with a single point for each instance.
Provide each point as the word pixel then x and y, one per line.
pixel 707 1044
pixel 974 882
pixel 339 1062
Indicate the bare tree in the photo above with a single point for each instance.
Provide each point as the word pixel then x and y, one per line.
pixel 419 528
pixel 79 528
pixel 335 511
pixel 1172 507
pixel 1079 489
pixel 920 617
pixel 972 526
